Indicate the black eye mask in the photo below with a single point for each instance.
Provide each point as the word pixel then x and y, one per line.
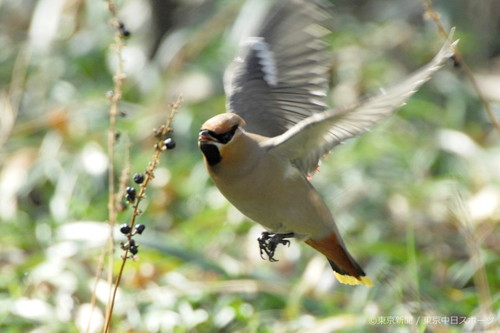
pixel 222 137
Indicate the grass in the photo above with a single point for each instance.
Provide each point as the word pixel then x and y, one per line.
pixel 416 199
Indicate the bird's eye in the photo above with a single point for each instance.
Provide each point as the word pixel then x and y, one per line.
pixel 227 136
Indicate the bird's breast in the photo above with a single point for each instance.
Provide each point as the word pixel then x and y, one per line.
pixel 275 194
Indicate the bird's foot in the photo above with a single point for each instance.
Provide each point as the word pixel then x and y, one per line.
pixel 269 241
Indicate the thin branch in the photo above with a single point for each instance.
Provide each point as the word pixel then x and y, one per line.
pixel 114 97
pixel 93 300
pixel 159 147
pixel 459 60
pixel 473 240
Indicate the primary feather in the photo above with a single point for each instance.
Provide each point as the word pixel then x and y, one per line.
pixel 306 142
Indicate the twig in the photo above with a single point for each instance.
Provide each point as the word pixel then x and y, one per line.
pixel 159 147
pixel 100 267
pixel 473 240
pixel 114 97
pixel 124 178
pixel 432 14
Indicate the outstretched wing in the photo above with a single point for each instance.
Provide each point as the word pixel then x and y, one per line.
pixel 282 76
pixel 306 142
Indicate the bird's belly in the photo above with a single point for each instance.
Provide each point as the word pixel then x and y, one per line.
pixel 282 204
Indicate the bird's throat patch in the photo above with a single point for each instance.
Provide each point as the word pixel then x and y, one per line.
pixel 211 153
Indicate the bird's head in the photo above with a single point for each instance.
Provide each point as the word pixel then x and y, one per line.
pixel 218 132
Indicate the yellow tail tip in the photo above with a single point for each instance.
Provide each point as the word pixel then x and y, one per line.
pixel 351 280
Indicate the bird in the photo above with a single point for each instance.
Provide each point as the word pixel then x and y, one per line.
pixel 261 152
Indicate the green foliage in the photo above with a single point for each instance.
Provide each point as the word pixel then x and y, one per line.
pixel 417 199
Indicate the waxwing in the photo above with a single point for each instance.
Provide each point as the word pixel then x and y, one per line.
pixel 277 127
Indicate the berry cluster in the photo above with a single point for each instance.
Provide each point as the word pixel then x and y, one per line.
pixel 124 32
pixel 131 245
pixel 131 195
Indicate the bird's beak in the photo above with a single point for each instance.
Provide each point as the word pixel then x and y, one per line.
pixel 205 136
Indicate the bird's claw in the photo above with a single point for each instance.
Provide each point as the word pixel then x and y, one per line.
pixel 268 242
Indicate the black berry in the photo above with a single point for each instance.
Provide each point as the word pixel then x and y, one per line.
pixel 133 249
pixel 124 32
pixel 131 193
pixel 169 143
pixel 138 178
pixel 125 229
pixel 140 228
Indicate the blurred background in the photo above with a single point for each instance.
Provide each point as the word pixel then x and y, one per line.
pixel 417 199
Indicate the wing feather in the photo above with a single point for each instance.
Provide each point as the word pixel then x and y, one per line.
pixel 282 76
pixel 307 141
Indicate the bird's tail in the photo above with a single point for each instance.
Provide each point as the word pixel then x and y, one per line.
pixel 345 268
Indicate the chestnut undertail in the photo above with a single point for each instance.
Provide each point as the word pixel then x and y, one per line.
pixel 345 268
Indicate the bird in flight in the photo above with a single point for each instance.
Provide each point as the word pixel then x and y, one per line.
pixel 261 152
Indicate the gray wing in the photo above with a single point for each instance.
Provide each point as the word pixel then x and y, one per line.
pixel 282 76
pixel 306 142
